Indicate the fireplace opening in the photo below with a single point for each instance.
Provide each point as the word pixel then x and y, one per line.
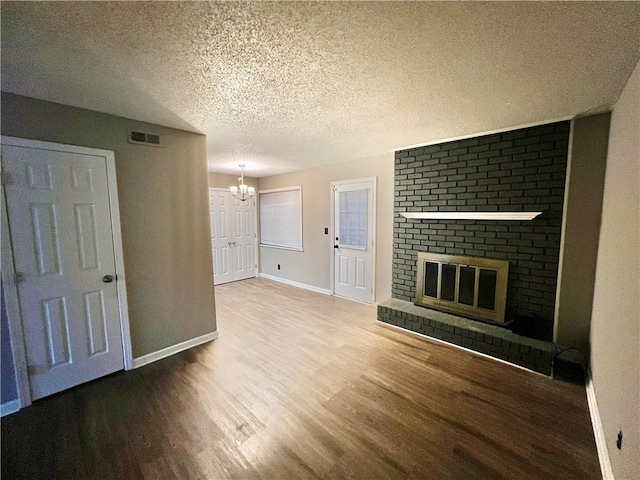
pixel 468 286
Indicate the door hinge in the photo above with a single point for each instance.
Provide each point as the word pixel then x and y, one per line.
pixel 6 177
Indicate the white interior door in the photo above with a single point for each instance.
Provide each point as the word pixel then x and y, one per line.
pixel 233 237
pixel 354 239
pixel 244 239
pixel 220 236
pixel 60 226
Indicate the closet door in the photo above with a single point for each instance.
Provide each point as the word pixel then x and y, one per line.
pixel 233 237
pixel 59 214
pixel 244 239
pixel 221 245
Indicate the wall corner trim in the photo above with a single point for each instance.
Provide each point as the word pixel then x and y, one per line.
pixel 9 407
pixel 324 291
pixel 598 431
pixel 178 347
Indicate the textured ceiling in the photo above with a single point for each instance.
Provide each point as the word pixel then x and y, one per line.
pixel 287 86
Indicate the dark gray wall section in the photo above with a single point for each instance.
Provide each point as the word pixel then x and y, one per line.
pixel 519 170
pixel 9 390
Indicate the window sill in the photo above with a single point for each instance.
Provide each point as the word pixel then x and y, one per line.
pixel 282 248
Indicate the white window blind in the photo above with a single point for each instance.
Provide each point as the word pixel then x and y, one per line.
pixel 281 218
pixel 353 218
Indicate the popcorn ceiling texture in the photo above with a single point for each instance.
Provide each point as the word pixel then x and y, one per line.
pixel 286 86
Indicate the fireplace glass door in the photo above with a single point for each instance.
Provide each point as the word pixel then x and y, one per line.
pixel 473 287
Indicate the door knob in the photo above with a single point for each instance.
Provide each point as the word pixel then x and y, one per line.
pixel 234 243
pixel 107 278
pixel 229 243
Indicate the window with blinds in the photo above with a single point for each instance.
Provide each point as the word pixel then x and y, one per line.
pixel 281 218
pixel 352 214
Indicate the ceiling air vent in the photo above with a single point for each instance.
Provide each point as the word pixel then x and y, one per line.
pixel 142 138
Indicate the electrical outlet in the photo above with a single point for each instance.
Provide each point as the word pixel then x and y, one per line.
pixel 619 441
pixel 278 266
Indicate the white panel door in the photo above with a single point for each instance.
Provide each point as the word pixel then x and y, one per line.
pixel 353 246
pixel 60 226
pixel 233 237
pixel 221 236
pixel 244 240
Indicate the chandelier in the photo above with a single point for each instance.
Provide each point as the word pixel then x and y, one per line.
pixel 242 191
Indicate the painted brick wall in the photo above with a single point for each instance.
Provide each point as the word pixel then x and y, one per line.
pixel 520 170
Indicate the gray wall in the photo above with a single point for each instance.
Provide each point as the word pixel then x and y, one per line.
pixel 520 170
pixel 583 210
pixel 164 210
pixel 313 266
pixel 615 323
pixel 8 379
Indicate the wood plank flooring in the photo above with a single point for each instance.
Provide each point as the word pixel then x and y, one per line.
pixel 302 385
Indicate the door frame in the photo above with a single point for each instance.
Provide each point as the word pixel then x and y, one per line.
pixel 332 233
pixel 8 269
pixel 255 223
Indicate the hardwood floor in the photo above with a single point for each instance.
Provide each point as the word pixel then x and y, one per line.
pixel 303 385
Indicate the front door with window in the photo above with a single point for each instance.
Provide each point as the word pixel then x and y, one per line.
pixel 354 239
pixel 61 232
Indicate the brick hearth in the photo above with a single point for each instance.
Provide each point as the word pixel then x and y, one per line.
pixel 491 340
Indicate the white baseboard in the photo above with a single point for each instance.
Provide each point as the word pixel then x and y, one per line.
pixel 598 432
pixel 324 291
pixel 178 347
pixel 9 407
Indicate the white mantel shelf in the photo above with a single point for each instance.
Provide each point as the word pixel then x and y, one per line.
pixel 471 215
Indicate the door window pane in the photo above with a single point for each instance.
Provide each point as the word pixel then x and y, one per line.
pixel 353 218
